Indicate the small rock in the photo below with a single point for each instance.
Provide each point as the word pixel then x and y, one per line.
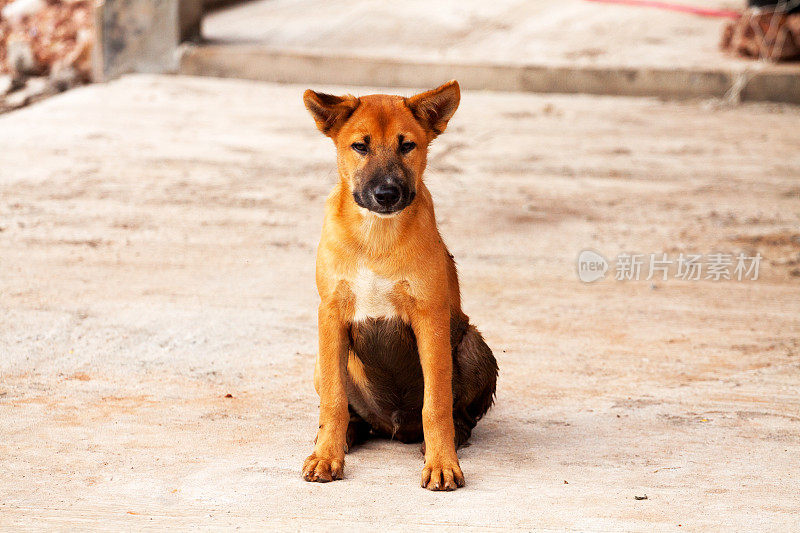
pixel 63 78
pixel 17 99
pixel 20 58
pixel 22 8
pixel 37 87
pixel 75 67
pixel 9 84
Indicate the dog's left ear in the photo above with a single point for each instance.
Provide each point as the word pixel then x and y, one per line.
pixel 433 109
pixel 329 111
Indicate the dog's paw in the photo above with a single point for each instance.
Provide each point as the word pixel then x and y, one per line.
pixel 321 469
pixel 442 475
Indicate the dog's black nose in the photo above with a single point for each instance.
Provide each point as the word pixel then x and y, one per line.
pixel 387 194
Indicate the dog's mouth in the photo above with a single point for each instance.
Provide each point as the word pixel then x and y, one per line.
pixel 384 198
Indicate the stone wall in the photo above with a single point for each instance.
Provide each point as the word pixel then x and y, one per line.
pixel 143 35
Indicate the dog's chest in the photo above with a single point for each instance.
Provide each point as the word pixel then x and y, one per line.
pixel 372 295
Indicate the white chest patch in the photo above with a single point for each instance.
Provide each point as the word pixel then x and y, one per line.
pixel 372 295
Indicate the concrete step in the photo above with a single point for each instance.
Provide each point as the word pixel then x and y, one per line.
pixel 756 81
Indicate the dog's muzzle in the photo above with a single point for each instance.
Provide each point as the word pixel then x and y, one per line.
pixel 384 196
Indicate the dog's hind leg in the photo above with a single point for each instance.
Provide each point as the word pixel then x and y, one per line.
pixel 358 430
pixel 474 382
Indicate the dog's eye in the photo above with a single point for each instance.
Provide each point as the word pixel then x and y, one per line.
pixel 407 146
pixel 361 148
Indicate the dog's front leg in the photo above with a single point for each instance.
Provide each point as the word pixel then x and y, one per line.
pixel 432 329
pixel 326 463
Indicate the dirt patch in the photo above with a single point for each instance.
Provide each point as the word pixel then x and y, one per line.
pixel 777 239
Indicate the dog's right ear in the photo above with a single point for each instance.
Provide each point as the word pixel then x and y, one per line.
pixel 329 111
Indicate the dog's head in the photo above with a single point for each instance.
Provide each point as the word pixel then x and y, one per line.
pixel 382 141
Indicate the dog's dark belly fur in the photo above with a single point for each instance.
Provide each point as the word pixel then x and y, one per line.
pixel 393 406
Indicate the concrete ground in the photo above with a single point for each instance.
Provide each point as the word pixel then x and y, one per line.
pixel 572 46
pixel 568 32
pixel 158 336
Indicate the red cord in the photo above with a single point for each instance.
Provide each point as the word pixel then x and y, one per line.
pixel 703 12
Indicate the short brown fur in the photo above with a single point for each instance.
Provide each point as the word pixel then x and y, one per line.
pixel 423 372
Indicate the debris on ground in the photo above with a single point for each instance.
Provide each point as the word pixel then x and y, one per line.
pixel 640 497
pixel 763 34
pixel 45 48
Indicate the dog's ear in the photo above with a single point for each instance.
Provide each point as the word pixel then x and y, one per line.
pixel 329 111
pixel 433 109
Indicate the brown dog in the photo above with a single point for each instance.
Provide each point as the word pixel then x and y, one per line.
pixel 397 356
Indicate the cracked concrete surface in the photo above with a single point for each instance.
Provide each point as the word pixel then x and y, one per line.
pixel 157 314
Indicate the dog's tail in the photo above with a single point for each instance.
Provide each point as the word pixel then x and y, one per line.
pixel 397 420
